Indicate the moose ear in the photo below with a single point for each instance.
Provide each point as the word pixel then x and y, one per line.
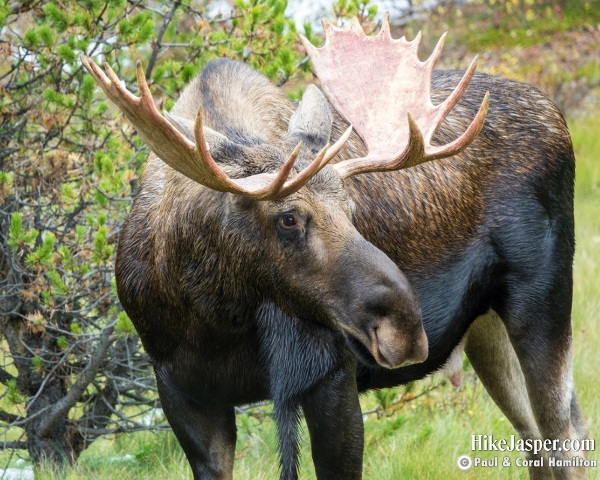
pixel 312 120
pixel 185 126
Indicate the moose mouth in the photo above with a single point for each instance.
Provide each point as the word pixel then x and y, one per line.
pixel 361 352
pixel 375 350
pixel 369 350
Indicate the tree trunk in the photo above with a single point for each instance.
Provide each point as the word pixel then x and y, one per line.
pixel 64 444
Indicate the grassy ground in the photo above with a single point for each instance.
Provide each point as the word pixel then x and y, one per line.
pixel 423 438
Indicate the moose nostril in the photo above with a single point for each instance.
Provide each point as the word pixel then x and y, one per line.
pixel 380 303
pixel 377 309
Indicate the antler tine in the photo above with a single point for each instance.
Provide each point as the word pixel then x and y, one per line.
pixel 268 186
pixel 337 146
pixel 304 176
pixel 202 153
pixel 444 108
pixel 385 25
pixel 355 25
pixel 414 151
pixel 437 51
pixel 415 42
pixel 322 159
pixel 279 184
pixel 466 138
pixel 194 160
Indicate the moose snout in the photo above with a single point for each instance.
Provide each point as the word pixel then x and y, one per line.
pixel 385 326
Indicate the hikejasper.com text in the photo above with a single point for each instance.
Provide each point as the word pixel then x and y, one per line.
pixel 487 443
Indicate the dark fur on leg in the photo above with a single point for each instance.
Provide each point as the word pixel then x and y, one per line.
pixel 298 355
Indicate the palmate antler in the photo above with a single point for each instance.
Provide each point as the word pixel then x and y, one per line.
pixel 194 159
pixel 375 82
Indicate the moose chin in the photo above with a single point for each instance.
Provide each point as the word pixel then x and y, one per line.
pixel 358 240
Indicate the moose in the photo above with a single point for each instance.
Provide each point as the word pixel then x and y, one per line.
pixel 307 253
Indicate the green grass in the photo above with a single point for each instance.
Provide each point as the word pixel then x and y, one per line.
pixel 423 439
pixel 587 272
pixel 522 25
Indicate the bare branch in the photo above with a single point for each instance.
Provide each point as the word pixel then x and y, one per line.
pixel 8 417
pixel 158 44
pixel 13 445
pixel 97 432
pixel 85 377
pixel 5 377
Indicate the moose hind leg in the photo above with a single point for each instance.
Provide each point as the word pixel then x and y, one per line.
pixel 540 332
pixel 206 435
pixel 493 357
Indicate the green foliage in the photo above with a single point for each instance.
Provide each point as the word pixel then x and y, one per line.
pixel 46 35
pixel 361 9
pixel 75 328
pixel 124 325
pixel 386 397
pixel 31 38
pixel 393 425
pixel 423 434
pixel 37 364
pixel 16 229
pixel 58 285
pixel 16 236
pixel 4 11
pixel 66 53
pixel 62 342
pixel 13 395
pixel 56 17
pixel 44 253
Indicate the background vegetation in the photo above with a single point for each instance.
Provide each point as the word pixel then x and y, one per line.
pixel 72 374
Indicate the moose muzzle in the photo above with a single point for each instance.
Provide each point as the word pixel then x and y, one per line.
pixel 382 317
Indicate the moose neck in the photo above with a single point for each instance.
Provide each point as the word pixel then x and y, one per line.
pixel 178 245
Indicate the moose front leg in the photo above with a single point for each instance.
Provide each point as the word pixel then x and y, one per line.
pixel 207 435
pixel 309 367
pixel 334 420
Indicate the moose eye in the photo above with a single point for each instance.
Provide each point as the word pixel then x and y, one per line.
pixel 288 220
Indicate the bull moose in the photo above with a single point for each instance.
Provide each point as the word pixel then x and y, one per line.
pixel 259 262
